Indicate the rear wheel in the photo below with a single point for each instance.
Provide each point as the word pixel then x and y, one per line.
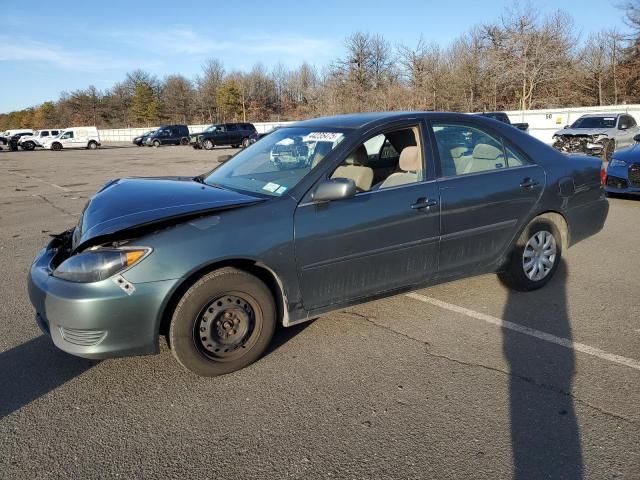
pixel 56 146
pixel 535 257
pixel 245 142
pixel 184 141
pixel 223 323
pixel 236 146
pixel 28 146
pixel 208 144
pixel 92 145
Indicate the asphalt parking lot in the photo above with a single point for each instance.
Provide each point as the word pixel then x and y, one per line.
pixel 462 380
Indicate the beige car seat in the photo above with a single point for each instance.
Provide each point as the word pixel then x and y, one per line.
pixel 411 165
pixel 356 170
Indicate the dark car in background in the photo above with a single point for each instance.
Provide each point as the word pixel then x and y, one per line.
pixel 504 118
pixel 623 171
pixel 169 135
pixel 234 134
pixel 140 141
pixel 315 217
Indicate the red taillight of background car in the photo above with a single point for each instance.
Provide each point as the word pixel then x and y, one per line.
pixel 603 175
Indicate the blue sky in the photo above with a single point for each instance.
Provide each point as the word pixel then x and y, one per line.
pixel 66 46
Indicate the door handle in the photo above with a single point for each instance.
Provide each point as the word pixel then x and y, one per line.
pixel 424 203
pixel 529 183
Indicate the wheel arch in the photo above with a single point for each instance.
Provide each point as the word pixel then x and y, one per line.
pixel 254 267
pixel 560 222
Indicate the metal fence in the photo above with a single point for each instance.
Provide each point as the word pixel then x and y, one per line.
pixel 542 123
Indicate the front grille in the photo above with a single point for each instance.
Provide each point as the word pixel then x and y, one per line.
pixel 83 338
pixel 634 174
pixel 616 182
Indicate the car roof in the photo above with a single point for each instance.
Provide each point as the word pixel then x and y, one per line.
pixel 596 115
pixel 359 120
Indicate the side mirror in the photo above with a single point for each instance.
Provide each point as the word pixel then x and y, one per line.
pixel 334 189
pixel 623 126
pixel 637 138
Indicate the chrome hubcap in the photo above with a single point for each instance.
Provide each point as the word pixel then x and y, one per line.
pixel 539 255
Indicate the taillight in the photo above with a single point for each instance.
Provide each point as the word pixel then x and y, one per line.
pixel 603 175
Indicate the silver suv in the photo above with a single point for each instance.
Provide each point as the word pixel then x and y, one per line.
pixel 597 134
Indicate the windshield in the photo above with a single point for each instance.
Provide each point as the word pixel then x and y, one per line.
pixel 595 122
pixel 276 164
pixel 210 128
pixel 149 133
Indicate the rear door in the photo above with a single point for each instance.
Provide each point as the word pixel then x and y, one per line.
pixel 487 188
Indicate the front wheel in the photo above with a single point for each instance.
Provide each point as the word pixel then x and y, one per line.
pixel 208 144
pixel 28 146
pixel 156 143
pixel 224 322
pixel 535 257
pixel 56 146
pixel 245 142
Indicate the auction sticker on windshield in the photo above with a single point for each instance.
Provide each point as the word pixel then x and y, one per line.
pixel 323 137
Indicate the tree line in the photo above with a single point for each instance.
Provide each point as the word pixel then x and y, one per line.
pixel 523 60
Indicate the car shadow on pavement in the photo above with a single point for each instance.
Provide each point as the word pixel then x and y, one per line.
pixel 545 436
pixel 283 335
pixel 32 370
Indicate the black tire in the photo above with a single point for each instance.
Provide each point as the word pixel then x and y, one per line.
pixel 28 146
pixel 208 144
pixel 227 302
pixel 245 142
pixel 184 141
pixel 514 275
pixel 156 143
pixel 56 146
pixel 236 146
pixel 92 145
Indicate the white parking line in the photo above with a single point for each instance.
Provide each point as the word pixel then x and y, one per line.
pixel 547 337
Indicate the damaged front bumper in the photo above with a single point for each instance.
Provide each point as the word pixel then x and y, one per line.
pixel 580 144
pixel 96 320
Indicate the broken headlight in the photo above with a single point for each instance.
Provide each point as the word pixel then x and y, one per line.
pixel 99 264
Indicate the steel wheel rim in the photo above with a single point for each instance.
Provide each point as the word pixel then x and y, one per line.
pixel 226 328
pixel 539 255
pixel 208 144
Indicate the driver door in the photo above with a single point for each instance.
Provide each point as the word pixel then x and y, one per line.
pixel 383 238
pixel 67 139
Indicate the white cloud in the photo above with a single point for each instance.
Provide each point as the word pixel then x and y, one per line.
pixel 26 50
pixel 182 40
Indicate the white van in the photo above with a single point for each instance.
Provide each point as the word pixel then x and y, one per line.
pixel 30 142
pixel 75 137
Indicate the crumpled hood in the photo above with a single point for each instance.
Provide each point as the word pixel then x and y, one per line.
pixel 584 131
pixel 134 202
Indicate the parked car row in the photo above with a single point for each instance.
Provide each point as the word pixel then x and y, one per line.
pixel 52 139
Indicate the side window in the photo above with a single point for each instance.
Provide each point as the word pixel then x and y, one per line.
pixel 376 163
pixel 631 121
pixel 45 134
pixel 54 132
pixel 466 149
pixel 232 127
